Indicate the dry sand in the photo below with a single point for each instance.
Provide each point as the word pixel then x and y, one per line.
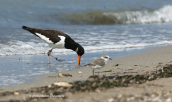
pixel 149 61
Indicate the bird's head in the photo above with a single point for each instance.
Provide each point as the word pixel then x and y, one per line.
pixel 80 51
pixel 106 57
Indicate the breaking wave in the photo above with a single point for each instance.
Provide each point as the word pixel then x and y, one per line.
pixel 162 15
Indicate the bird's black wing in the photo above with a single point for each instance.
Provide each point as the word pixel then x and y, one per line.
pixel 53 35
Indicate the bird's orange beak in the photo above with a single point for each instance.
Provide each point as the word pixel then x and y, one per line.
pixel 79 59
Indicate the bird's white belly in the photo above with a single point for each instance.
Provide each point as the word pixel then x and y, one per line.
pixel 52 45
pixel 59 44
pixel 97 67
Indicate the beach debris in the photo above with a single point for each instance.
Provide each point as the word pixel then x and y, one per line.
pixel 64 75
pixel 162 69
pixel 94 76
pixel 115 65
pixel 103 83
pixel 79 72
pixel 155 66
pixel 16 93
pixel 64 84
pixel 108 71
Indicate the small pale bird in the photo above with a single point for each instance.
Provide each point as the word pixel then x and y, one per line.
pixel 57 39
pixel 99 63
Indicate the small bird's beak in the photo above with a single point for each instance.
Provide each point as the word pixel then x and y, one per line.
pixel 110 58
pixel 79 59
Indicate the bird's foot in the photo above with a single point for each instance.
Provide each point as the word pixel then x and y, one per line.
pixel 59 60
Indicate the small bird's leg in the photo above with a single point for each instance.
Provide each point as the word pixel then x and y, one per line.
pixel 98 72
pixel 49 54
pixel 93 72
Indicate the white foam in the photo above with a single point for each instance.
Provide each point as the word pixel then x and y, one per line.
pixel 33 49
pixel 27 48
pixel 161 15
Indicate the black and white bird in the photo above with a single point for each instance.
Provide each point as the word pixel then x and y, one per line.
pixel 57 39
pixel 99 63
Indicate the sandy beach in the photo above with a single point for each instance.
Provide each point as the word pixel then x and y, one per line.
pixel 147 62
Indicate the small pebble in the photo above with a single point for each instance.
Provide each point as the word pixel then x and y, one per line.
pixel 110 100
pixel 79 72
pixel 60 75
pixel 64 84
pixel 49 86
pixel 168 100
pixel 16 93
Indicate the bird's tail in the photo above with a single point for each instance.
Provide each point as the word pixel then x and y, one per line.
pixel 26 28
pixel 32 30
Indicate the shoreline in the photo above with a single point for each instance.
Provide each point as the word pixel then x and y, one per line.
pixel 22 69
pixel 139 63
pixel 147 62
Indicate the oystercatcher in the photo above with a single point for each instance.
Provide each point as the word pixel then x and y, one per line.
pixel 99 63
pixel 57 39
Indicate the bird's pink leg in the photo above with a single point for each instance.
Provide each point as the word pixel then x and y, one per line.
pixel 49 54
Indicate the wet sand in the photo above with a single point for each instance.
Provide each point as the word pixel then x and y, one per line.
pixel 147 62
